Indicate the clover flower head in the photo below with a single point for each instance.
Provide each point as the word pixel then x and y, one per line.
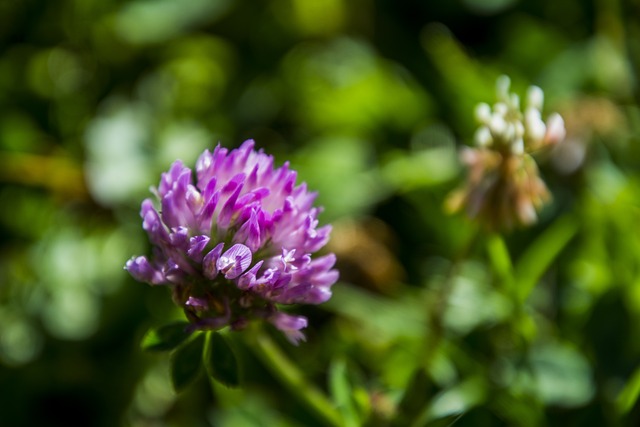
pixel 504 187
pixel 505 127
pixel 236 242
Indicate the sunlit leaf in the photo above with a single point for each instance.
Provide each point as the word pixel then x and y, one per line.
pixel 454 401
pixel 562 375
pixel 472 302
pixel 166 337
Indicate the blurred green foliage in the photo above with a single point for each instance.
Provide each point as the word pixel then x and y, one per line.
pixel 434 322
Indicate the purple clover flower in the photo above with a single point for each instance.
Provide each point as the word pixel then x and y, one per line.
pixel 237 243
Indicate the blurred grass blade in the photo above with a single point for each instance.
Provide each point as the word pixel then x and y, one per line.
pixel 629 394
pixel 342 392
pixel 186 361
pixel 165 338
pixel 220 360
pixel 535 261
pixel 500 258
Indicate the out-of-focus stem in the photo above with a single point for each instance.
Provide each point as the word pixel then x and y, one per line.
pixel 291 377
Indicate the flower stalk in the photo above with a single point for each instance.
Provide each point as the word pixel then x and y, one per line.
pixel 292 378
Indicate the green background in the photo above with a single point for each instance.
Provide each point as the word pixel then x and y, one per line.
pixel 434 322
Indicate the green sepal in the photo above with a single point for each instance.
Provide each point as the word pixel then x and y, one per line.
pixel 166 337
pixel 186 362
pixel 220 361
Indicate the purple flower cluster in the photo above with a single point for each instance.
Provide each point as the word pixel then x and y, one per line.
pixel 236 243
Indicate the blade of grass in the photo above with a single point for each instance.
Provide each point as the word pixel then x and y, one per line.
pixel 535 261
pixel 500 259
pixel 342 392
pixel 629 394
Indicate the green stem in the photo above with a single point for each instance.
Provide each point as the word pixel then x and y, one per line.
pixel 438 308
pixel 287 372
pixel 503 269
pixel 501 261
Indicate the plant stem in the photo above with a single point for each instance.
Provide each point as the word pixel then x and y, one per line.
pixel 287 372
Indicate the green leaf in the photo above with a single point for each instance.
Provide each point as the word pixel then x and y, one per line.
pixel 445 408
pixel 535 261
pixel 166 337
pixel 186 361
pixel 220 360
pixel 562 375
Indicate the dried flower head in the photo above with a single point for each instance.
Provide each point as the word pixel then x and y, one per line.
pixel 504 187
pixel 237 243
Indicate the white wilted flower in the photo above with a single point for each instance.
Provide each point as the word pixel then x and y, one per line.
pixel 503 187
